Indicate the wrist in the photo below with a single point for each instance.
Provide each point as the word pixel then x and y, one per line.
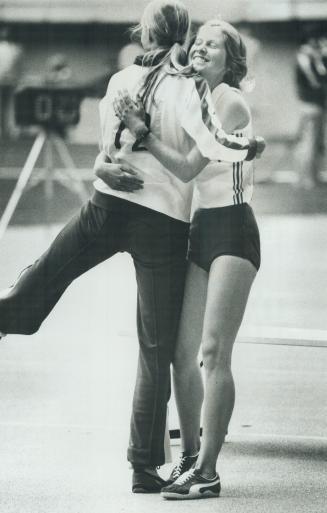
pixel 252 149
pixel 256 147
pixel 141 132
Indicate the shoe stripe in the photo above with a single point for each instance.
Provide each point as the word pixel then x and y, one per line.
pixel 214 488
pixel 194 495
pixel 196 491
pixel 202 487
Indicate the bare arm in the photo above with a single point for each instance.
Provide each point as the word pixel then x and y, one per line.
pixel 183 167
pixel 234 115
pixel 233 111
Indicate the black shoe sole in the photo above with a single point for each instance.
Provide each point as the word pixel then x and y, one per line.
pixel 139 489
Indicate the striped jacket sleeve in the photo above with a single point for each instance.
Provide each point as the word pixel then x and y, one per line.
pixel 200 121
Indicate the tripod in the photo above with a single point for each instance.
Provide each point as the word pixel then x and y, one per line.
pixel 47 141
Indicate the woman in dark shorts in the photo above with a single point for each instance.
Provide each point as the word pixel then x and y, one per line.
pixel 224 257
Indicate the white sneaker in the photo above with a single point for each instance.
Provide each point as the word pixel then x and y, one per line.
pixel 191 485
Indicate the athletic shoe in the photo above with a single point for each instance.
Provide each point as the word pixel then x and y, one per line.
pixel 144 481
pixel 185 463
pixel 191 485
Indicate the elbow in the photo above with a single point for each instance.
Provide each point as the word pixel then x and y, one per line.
pixel 179 171
pixel 186 179
pixel 183 176
pixel 185 173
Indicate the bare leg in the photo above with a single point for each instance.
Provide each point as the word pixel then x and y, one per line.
pixel 188 385
pixel 230 281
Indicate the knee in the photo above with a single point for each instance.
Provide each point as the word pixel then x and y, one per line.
pixel 15 318
pixel 216 354
pixel 177 360
pixel 184 363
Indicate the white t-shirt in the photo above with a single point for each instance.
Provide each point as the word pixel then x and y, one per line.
pixel 225 183
pixel 182 114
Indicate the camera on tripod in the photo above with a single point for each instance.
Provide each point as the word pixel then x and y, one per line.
pixel 49 106
pixel 52 104
pixel 51 100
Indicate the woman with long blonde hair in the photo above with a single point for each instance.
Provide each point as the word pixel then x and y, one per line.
pixel 224 256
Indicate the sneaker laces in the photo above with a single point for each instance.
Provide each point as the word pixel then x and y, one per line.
pixel 185 477
pixel 178 469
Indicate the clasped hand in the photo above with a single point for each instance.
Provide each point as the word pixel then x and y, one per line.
pixel 119 177
pixel 131 112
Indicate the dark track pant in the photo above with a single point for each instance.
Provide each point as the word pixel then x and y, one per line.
pixel 157 244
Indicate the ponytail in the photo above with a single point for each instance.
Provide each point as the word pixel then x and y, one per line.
pixel 163 61
pixel 167 24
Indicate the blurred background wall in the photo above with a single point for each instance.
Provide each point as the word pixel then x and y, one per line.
pixel 91 33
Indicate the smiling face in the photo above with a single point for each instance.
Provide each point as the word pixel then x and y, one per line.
pixel 208 54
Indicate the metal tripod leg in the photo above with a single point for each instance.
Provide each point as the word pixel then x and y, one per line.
pixel 22 182
pixel 48 179
pixel 69 167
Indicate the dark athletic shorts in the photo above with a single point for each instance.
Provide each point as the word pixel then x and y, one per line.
pixel 230 230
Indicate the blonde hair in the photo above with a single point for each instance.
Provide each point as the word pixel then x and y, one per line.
pixel 168 24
